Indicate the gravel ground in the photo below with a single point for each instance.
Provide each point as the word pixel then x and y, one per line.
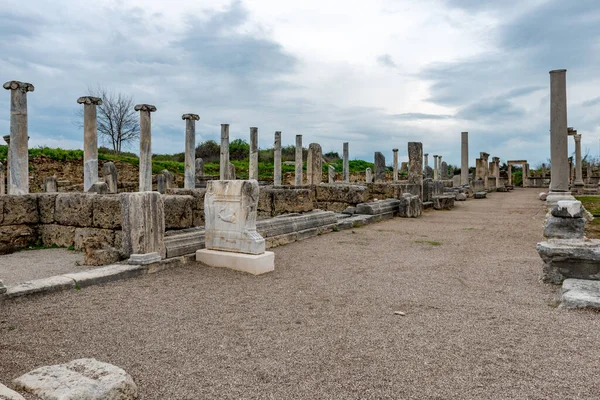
pixel 478 324
pixel 26 265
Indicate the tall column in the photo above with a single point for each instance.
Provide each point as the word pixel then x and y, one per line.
pixel 379 167
pixel 2 179
pixel 588 175
pixel 395 164
pixel 314 164
pixel 346 164
pixel 543 171
pixel 189 178
pixel 571 170
pixel 509 174
pixel 18 149
pixel 253 164
pixel 559 149
pixel 496 161
pixel 578 166
pixel 90 140
pixel 526 175
pixel 435 168
pixel 426 164
pixel 439 167
pixel 415 165
pixel 7 140
pixel 145 146
pixel 464 158
pixel 298 176
pixel 224 160
pixel 277 159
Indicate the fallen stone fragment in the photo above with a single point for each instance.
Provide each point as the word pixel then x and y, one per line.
pixel 569 258
pixel 543 196
pixel 567 209
pixel 564 228
pixel 400 313
pixel 580 293
pixel 85 378
pixel 480 195
pixel 461 197
pixel 8 394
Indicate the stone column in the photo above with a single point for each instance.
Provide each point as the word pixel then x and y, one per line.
pixel 253 164
pixel 509 174
pixel 369 175
pixel 277 159
pixel 331 176
pixel 90 140
pixel 464 158
pixel 50 184
pixel 559 149
pixel 314 164
pixel 444 170
pixel 18 149
pixel 571 170
pixel 7 140
pixel 395 164
pixel 588 175
pixel 496 163
pixel 145 146
pixel 526 175
pixel 199 167
pixel 161 185
pixel 224 160
pixel 415 165
pixel 543 171
pixel 578 166
pixel 435 168
pixel 346 164
pixel 379 167
pixel 2 179
pixel 439 167
pixel 189 179
pixel 111 177
pixel 426 163
pixel 143 226
pixel 298 175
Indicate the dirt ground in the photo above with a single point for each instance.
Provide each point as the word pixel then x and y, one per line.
pixel 26 265
pixel 478 323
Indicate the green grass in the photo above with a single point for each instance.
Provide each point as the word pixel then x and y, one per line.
pixel 429 242
pixel 592 204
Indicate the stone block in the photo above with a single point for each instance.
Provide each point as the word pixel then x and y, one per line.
pixel 580 293
pixel 197 205
pixel 46 207
pixel 106 236
pixel 564 228
pixel 144 259
pixel 461 196
pixel 292 200
pixel 333 206
pixel 19 209
pixel 14 237
pixel 59 235
pixel 109 273
pixel 567 209
pixel 106 211
pixel 85 378
pixel 74 209
pixel 265 202
pixel 254 264
pixel 44 285
pixel 569 258
pixel 184 242
pixel 178 211
pixel 9 394
pixel 379 207
pixel 443 202
pixel 97 252
pixel 480 195
pixel 294 223
pixel 99 188
pixel 410 206
pixel 542 196
pixel 349 194
pixel 143 223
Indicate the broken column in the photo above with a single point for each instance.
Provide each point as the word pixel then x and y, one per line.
pixel 435 168
pixel 543 170
pixel 314 164
pixel 588 175
pixel 346 164
pixel 509 174
pixel 18 148
pixel 368 175
pixel 143 227
pixel 578 167
pixel 50 185
pixel 189 179
pixel 224 158
pixel 199 163
pixel 331 170
pixel 160 184
pixel 415 166
pixel 111 177
pixel 426 162
pixel 298 175
pixel 439 163
pixel 526 175
pixel 395 151
pixel 496 162
pixel 2 179
pixel 559 148
pixel 379 167
pixel 444 170
pixel 90 140
pixel 253 163
pixel 169 178
pixel 464 158
pixel 231 238
pixel 145 146
pixel 277 159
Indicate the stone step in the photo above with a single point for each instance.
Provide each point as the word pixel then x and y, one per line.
pixel 288 223
pixel 580 293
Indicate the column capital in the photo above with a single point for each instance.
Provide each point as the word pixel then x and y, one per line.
pixel 16 85
pixel 145 107
pixel 435 155
pixel 97 101
pixel 558 71
pixel 395 150
pixel 495 159
pixel 577 137
pixel 193 117
pixel 6 138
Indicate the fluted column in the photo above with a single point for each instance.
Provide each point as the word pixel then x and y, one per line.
pixel 145 146
pixel 426 161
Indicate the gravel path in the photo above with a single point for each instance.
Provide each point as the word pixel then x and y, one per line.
pixel 26 265
pixel 478 324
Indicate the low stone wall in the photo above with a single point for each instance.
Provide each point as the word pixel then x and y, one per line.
pixel 539 182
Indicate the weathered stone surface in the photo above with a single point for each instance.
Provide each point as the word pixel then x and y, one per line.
pixel 59 235
pixel 178 211
pixel 443 202
pixel 44 285
pixel 199 164
pixel 197 204
pixel 74 209
pixel 161 186
pixel 432 188
pixel 415 165
pixel 444 170
pixel 564 228
pixel 543 196
pixel 284 224
pixel 480 195
pixel 580 293
pixel 111 177
pixel 143 223
pixel 184 242
pixel 379 207
pixel 230 208
pixel 410 206
pixel 13 237
pixel 350 194
pixel 50 184
pixel 461 196
pixel 9 394
pixel 103 235
pixel 428 172
pixel 46 206
pixel 99 187
pixel 368 175
pixel 379 167
pixel 314 164
pixel 292 200
pixel 109 273
pixel 106 212
pixel 85 378
pixel 98 253
pixel 569 258
pixel 19 209
pixel 567 209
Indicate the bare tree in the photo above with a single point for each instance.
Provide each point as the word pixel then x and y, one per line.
pixel 118 123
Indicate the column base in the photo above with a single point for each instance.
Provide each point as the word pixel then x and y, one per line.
pixel 555 197
pixel 144 259
pixel 254 264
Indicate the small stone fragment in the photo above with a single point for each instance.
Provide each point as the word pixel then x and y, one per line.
pixel 400 313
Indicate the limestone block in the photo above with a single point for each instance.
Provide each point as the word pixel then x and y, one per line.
pixel 443 202
pixel 230 208
pixel 254 264
pixel 334 206
pixel 9 394
pixel 111 177
pixel 99 187
pixel 380 167
pixel 292 200
pixel 543 195
pixel 265 202
pixel 350 194
pixel 85 378
pixel 19 209
pixel 567 209
pixel 480 195
pixel 59 235
pixel 74 209
pixel 461 196
pixel 580 293
pixel 106 236
pixel 564 228
pixel 284 224
pixel 46 207
pixel 106 212
pixel 410 206
pixel 569 258
pixel 184 242
pixel 198 203
pixel 400 189
pixel 14 237
pixel 98 253
pixel 178 211
pixel 379 207
pixel 143 223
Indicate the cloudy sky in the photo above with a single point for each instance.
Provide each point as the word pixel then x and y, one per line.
pixel 377 73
